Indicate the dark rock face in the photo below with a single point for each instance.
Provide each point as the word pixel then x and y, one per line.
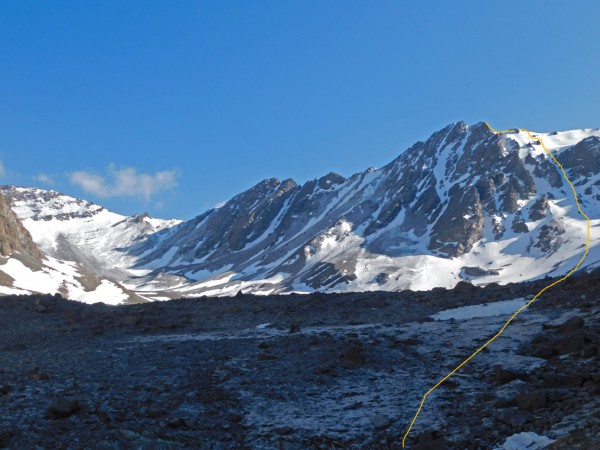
pixel 241 219
pixel 503 376
pixel 354 354
pixel 460 225
pixel 242 223
pixel 326 275
pixel 546 168
pixel 480 173
pixel 13 235
pixel 549 239
pixel 539 209
pixel 583 159
pixel 63 408
pixel 519 226
pixel 465 288
pixel 573 324
pixel 479 272
pixel 253 223
pixel 531 401
pixel 330 180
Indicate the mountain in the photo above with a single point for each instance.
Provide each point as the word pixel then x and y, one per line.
pixel 25 269
pixel 466 204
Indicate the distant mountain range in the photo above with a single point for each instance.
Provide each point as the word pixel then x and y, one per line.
pixel 466 204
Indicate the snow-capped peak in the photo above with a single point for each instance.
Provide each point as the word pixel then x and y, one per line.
pixel 466 203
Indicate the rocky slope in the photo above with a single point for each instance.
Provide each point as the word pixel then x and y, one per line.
pixel 466 204
pixel 316 371
pixel 14 237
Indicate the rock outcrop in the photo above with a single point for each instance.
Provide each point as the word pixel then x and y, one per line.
pixel 14 237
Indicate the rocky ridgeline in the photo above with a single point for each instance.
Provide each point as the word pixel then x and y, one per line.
pixel 338 371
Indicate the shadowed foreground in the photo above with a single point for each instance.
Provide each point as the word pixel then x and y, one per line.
pixel 294 372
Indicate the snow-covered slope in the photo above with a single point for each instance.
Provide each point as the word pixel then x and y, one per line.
pixel 25 269
pixel 76 230
pixel 60 277
pixel 465 204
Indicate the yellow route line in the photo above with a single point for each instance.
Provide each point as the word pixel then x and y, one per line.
pixel 587 249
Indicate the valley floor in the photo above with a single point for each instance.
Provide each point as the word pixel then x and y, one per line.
pixel 316 371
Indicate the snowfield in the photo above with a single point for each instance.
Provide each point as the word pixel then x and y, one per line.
pixel 59 277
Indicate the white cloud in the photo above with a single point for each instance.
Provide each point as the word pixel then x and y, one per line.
pixel 220 204
pixel 2 169
pixel 43 178
pixel 124 182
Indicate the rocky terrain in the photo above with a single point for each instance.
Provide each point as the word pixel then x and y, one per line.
pixel 314 371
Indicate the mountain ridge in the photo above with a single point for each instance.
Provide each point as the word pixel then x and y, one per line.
pixel 464 204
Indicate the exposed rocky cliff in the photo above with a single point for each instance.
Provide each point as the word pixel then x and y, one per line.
pixel 14 237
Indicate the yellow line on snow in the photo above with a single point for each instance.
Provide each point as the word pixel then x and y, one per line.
pixel 587 249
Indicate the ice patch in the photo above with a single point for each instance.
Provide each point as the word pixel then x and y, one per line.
pixel 108 293
pixel 482 310
pixel 526 440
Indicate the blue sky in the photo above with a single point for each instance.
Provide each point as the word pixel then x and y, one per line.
pixel 173 107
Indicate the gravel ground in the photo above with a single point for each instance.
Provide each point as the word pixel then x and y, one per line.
pixel 300 371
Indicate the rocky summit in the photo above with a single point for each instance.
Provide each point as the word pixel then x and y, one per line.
pixel 314 371
pixel 466 204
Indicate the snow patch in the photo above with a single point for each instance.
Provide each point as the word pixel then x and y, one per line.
pixel 481 310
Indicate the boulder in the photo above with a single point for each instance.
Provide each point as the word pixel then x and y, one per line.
pixel 532 401
pixel 573 324
pixel 503 376
pixel 354 354
pixel 574 342
pixel 62 408
pixel 380 422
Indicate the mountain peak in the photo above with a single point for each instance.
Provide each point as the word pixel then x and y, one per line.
pixel 464 204
pixel 330 180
